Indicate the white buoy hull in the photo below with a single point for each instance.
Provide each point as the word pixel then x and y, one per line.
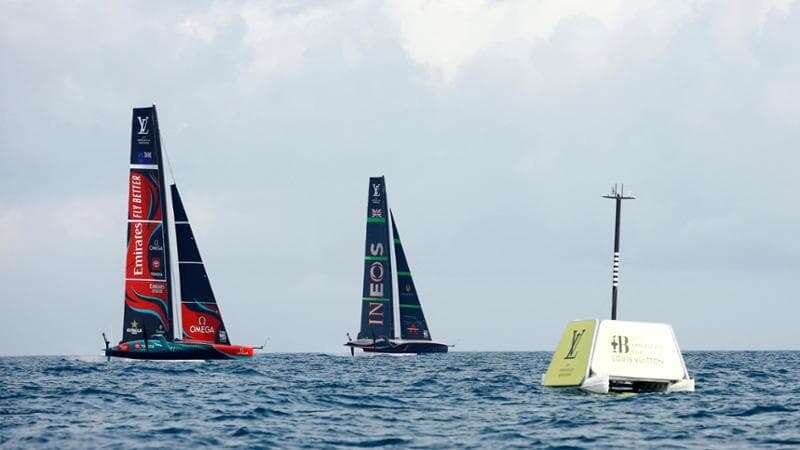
pixel 602 356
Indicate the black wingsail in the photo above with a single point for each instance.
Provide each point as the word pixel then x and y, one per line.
pixel 377 317
pixel 412 319
pixel 148 303
pixel 200 314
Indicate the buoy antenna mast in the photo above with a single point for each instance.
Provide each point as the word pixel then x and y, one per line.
pixel 618 195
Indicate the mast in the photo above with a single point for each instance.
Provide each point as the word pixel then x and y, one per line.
pixel 165 220
pixel 618 196
pixel 175 287
pixel 393 280
pixel 165 216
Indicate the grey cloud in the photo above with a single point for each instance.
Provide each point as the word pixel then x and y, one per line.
pixel 495 175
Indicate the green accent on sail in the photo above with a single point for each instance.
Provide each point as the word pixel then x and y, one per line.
pixel 570 363
pixel 376 258
pixel 403 274
pixel 377 299
pixel 376 220
pixel 397 242
pixel 410 306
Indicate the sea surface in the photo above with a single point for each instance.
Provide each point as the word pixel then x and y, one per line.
pixel 456 400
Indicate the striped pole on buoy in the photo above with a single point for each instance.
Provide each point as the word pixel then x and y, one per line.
pixel 618 196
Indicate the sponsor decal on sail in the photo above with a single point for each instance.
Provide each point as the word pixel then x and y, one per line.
pixel 138 249
pixel 146 255
pixel 157 288
pixel 156 246
pixel 376 272
pixel 143 134
pixel 376 198
pixel 376 277
pixel 135 207
pixel 143 201
pixel 375 313
pixel 201 326
pixel 134 328
pixel 143 121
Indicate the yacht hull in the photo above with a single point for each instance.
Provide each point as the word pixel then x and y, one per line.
pixel 398 347
pixel 173 351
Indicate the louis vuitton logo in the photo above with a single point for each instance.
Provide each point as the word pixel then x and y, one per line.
pixel 573 346
pixel 143 122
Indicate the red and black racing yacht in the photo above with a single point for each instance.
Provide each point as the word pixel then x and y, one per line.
pixel 158 324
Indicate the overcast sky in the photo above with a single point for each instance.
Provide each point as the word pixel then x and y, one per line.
pixel 498 124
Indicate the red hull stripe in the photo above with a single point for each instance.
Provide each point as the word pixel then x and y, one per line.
pixel 234 350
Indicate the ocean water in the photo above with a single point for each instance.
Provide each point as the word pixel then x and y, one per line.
pixel 457 400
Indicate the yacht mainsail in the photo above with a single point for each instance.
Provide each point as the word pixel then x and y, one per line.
pixel 148 308
pixel 377 317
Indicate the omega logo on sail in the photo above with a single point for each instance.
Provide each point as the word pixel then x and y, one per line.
pixel 201 326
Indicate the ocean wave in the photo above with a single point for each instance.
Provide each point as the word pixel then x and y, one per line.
pixel 478 400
